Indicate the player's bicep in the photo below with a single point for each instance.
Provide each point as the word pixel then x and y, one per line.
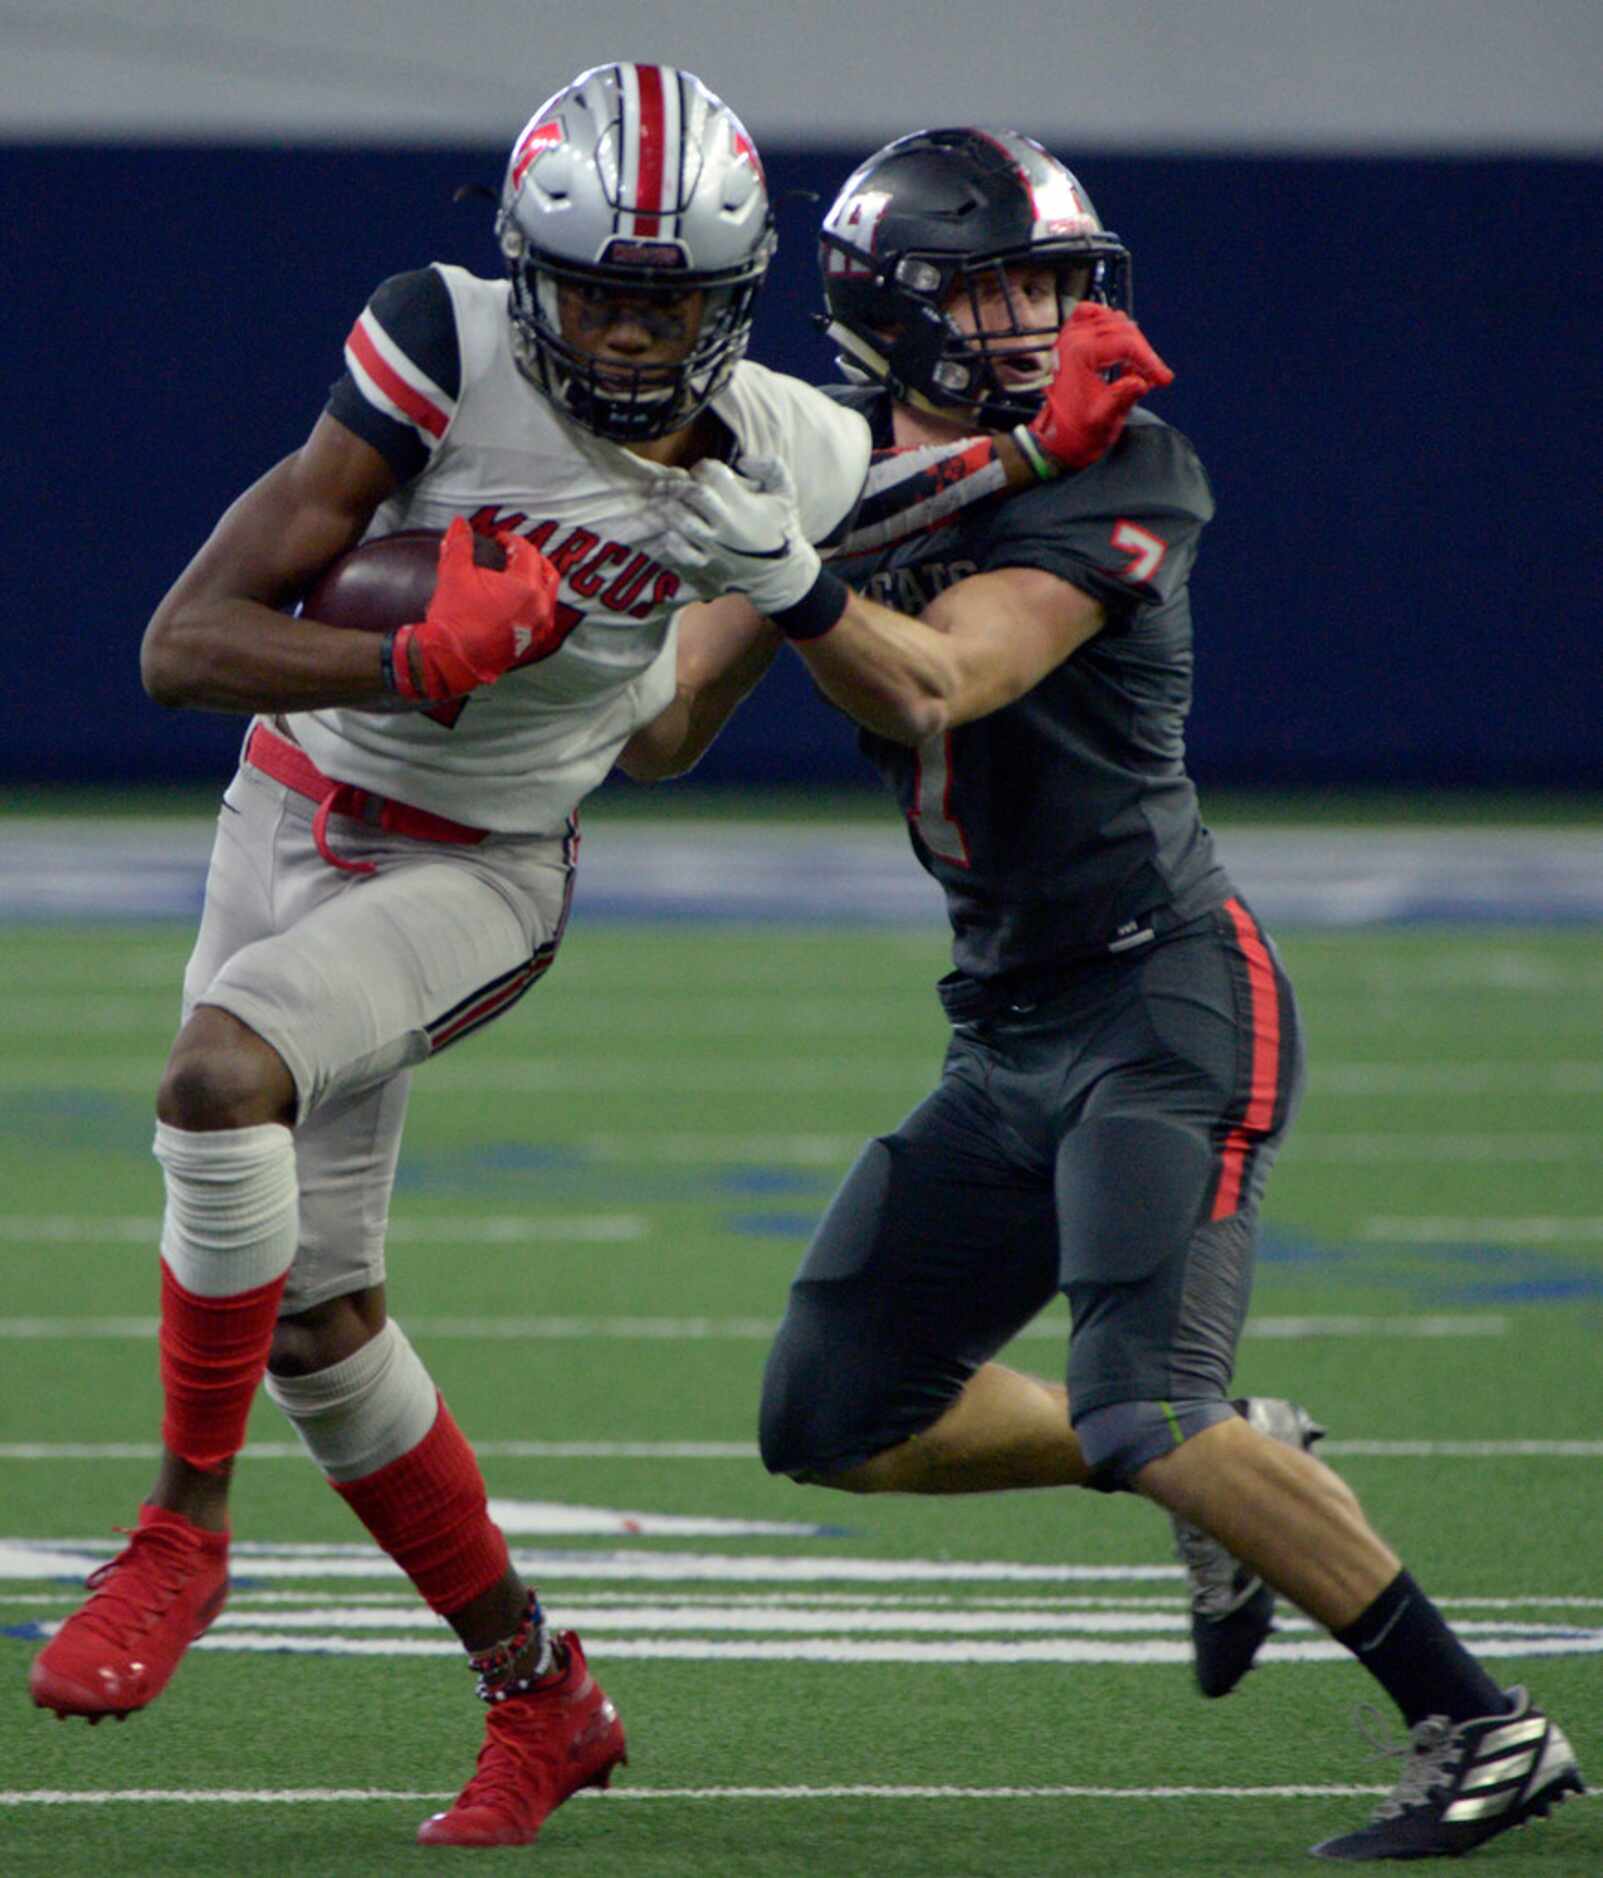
pixel 1008 629
pixel 279 535
pixel 205 642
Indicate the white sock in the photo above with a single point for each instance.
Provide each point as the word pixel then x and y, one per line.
pixel 359 1415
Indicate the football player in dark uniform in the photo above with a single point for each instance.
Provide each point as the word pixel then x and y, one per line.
pixel 1125 1056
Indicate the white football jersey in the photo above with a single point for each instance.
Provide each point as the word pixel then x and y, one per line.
pixel 432 383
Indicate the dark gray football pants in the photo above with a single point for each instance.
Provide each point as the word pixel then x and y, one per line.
pixel 1112 1143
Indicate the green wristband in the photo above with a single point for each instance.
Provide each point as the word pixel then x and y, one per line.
pixel 1043 465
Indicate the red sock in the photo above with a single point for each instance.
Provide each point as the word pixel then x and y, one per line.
pixel 213 1358
pixel 428 1510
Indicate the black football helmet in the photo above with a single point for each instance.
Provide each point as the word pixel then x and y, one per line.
pixel 941 214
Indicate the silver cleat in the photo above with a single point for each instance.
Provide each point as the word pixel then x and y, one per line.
pixel 1232 1609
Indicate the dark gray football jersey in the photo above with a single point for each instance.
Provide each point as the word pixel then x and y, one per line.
pixel 1065 823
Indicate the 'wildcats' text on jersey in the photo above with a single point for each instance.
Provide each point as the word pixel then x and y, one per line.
pixel 910 589
pixel 431 383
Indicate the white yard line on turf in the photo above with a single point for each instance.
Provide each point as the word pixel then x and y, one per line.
pixel 494 1229
pixel 714 1074
pixel 297 1796
pixel 850 1651
pixel 717 1329
pixel 1537 1229
pixel 33 1559
pixel 745 1451
pixel 835 1621
pixel 488 1450
pixel 927 1602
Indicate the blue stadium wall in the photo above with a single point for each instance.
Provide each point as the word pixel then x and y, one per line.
pixel 1390 367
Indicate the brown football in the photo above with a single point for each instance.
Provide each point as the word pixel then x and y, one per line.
pixel 388 581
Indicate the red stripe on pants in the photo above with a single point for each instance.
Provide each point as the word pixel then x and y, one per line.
pixel 487 1006
pixel 1263 1022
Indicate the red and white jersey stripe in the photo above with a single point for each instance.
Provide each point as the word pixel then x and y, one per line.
pixel 395 383
pixel 894 504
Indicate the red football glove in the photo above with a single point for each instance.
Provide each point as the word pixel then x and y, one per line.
pixel 482 621
pixel 1083 414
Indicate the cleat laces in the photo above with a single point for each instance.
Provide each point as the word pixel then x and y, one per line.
pixel 519 1754
pixel 1430 1758
pixel 129 1603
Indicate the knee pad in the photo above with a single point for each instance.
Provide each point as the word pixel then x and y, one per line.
pixel 810 1420
pixel 1119 1439
pixel 898 1301
pixel 1130 1191
pixel 835 1394
pixel 359 1415
pixel 232 1219
pixel 801 1422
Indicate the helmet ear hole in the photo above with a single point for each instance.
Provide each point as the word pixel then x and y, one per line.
pixel 918 275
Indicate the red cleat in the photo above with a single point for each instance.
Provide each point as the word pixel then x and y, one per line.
pixel 148 1605
pixel 539 1747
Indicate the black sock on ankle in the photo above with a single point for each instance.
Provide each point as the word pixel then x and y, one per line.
pixel 1405 1644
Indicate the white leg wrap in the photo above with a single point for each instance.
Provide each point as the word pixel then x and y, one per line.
pixel 233 1207
pixel 357 1416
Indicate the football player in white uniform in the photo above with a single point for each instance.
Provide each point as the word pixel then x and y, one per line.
pixel 394 858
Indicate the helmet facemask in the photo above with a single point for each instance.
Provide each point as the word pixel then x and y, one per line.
pixel 624 402
pixel 964 349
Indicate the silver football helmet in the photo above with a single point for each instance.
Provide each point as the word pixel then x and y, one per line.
pixel 636 179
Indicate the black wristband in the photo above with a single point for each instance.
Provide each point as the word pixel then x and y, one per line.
pixel 817 610
pixel 386 662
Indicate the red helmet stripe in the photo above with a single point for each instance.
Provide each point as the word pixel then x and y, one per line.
pixel 536 138
pixel 744 147
pixel 652 150
pixel 1059 208
pixel 1014 164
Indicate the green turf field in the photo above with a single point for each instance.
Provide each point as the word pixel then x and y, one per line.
pixel 603 1198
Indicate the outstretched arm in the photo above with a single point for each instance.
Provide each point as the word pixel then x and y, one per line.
pixel 979 645
pixel 982 643
pixel 724 648
pixel 1082 415
pixel 986 640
